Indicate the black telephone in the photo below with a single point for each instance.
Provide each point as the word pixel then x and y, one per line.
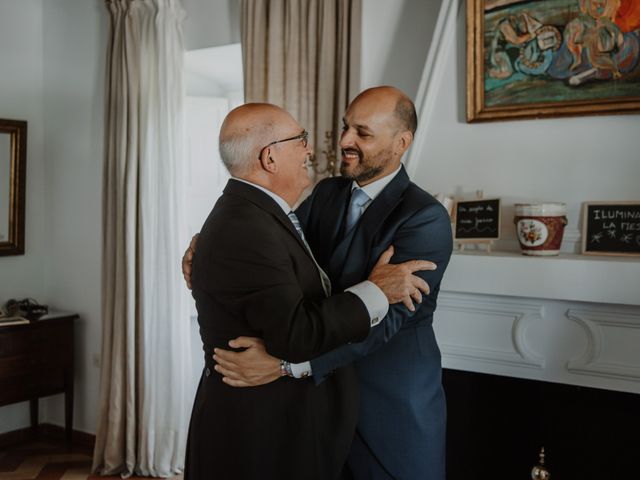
pixel 27 308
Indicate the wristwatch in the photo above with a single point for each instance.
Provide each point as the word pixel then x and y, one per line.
pixel 285 369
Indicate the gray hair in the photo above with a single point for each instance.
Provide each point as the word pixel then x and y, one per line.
pixel 244 131
pixel 237 152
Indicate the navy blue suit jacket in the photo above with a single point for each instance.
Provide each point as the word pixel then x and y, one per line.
pixel 402 418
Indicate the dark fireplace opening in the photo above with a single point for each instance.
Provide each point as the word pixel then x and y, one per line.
pixel 496 426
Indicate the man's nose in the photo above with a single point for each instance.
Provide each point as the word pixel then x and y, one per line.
pixel 346 139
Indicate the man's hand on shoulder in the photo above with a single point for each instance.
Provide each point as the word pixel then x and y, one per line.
pixel 249 368
pixel 398 281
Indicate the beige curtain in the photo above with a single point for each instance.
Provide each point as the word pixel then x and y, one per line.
pixel 145 386
pixel 304 55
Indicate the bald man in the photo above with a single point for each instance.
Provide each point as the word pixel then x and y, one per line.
pixel 254 275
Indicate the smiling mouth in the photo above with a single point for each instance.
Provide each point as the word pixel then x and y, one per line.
pixel 350 154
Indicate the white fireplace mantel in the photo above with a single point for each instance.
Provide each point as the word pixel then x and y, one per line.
pixel 569 319
pixel 570 277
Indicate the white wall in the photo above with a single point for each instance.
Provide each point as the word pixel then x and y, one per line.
pixel 52 61
pixel 395 39
pixel 21 77
pixel 570 319
pixel 567 160
pixel 75 34
pixel 21 99
pixel 211 23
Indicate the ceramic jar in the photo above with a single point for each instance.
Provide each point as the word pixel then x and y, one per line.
pixel 539 227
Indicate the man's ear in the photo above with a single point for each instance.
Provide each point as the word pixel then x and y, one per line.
pixel 403 141
pixel 267 162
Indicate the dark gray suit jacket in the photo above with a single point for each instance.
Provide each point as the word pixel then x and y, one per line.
pixel 253 276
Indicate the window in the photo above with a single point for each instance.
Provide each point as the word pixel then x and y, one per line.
pixel 213 80
pixel 213 84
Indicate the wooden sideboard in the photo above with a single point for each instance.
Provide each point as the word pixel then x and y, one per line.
pixel 36 360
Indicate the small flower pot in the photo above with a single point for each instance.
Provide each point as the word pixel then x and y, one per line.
pixel 539 227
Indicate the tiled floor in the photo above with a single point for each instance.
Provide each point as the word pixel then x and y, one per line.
pixel 48 461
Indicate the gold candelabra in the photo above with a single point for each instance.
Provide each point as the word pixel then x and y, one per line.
pixel 330 154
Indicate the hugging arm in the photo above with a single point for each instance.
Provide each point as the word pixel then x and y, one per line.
pixel 430 230
pixel 425 236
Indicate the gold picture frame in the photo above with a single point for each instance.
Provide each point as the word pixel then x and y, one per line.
pixel 535 58
pixel 13 165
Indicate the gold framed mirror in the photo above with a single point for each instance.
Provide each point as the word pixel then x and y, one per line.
pixel 13 177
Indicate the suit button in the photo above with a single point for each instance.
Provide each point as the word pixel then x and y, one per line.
pixel 207 372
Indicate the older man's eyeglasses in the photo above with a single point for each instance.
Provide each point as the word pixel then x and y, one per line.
pixel 304 136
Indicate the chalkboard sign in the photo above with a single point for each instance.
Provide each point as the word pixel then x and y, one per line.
pixel 611 228
pixel 477 220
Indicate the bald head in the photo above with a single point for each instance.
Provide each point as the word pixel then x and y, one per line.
pixel 378 129
pixel 394 102
pixel 264 145
pixel 245 130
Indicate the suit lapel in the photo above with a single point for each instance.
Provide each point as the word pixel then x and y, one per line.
pixel 265 202
pixel 328 225
pixel 350 260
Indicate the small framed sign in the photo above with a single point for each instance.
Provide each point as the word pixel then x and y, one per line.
pixel 477 221
pixel 611 228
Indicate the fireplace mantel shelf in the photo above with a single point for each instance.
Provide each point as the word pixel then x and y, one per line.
pixel 601 279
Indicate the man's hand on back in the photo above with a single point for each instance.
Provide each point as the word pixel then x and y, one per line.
pixel 249 368
pixel 187 260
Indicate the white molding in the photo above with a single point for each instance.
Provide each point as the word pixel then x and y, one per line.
pixel 566 277
pixel 541 339
pixel 595 323
pixel 516 315
pixel 518 336
pixel 485 355
pixel 443 35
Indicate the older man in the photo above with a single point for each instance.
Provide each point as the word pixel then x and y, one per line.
pixel 254 275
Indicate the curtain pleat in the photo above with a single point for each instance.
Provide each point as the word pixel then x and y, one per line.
pixel 304 55
pixel 145 394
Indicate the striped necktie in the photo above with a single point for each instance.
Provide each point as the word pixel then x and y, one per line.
pixel 326 283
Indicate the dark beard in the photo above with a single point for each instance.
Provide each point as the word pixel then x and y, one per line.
pixel 363 176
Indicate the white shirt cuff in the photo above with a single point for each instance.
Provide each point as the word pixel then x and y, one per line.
pixel 377 306
pixel 301 370
pixel 373 298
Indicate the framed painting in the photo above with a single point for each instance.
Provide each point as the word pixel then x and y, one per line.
pixel 549 58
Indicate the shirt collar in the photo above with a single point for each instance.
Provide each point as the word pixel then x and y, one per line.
pixel 373 189
pixel 277 198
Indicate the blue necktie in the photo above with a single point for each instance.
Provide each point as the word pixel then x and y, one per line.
pixel 359 199
pixel 326 283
